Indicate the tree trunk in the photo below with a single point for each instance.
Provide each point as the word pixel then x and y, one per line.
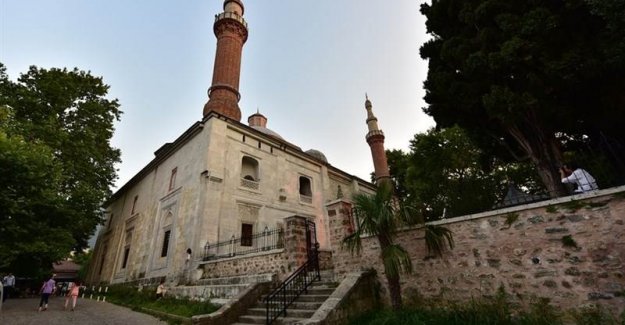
pixel 545 154
pixel 394 287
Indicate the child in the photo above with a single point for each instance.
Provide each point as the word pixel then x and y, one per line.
pixel 46 290
pixel 160 290
pixel 72 291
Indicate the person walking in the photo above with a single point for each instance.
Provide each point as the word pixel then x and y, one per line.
pixel 73 289
pixel 9 283
pixel 46 290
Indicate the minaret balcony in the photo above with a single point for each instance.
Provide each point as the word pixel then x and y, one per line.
pixel 231 15
pixel 374 133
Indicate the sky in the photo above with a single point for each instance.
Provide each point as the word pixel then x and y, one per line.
pixel 306 66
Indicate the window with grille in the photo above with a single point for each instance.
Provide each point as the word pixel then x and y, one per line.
pixel 172 178
pixel 246 234
pixel 165 243
pixel 134 204
pixel 126 253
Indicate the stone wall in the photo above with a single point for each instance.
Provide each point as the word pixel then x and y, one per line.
pixel 281 262
pixel 355 294
pixel 527 250
pixel 272 262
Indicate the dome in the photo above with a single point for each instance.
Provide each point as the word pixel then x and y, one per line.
pixel 317 154
pixel 267 131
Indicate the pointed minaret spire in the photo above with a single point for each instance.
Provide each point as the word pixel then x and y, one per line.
pixel 375 139
pixel 231 31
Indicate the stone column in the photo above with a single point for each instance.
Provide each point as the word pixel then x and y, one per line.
pixel 341 224
pixel 295 242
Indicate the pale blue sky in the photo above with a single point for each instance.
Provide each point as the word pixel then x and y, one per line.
pixel 306 66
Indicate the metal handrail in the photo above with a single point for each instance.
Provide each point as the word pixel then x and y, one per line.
pixel 268 239
pixel 282 297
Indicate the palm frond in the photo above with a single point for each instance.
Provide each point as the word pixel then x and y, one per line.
pixel 437 239
pixel 396 260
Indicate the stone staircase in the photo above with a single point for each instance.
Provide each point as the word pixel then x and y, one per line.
pixel 302 308
pixel 219 290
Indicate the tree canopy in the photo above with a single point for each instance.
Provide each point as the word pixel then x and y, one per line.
pixel 445 174
pixel 56 162
pixel 527 78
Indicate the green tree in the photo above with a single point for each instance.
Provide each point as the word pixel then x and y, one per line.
pixel 57 162
pixel 523 76
pixel 381 216
pixel 32 219
pixel 398 164
pixel 84 260
pixel 447 175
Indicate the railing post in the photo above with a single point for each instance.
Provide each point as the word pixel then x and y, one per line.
pixel 232 248
pixel 265 234
pixel 206 251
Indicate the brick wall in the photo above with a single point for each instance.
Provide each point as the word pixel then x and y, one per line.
pixel 521 249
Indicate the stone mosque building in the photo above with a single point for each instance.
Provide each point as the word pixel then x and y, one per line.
pixel 221 181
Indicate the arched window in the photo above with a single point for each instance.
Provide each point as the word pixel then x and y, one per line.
pixel 249 169
pixel 166 234
pixel 305 189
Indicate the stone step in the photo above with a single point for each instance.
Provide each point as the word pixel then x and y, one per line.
pixel 325 284
pixel 222 291
pixel 263 319
pixel 297 313
pixel 312 298
pixel 241 279
pixel 296 305
pixel 313 290
pixel 320 291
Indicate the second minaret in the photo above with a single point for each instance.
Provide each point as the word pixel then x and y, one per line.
pixel 375 139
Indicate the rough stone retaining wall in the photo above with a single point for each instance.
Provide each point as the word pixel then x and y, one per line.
pixel 521 249
pixel 354 295
pixel 259 263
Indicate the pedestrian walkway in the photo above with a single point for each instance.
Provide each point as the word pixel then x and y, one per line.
pixel 24 312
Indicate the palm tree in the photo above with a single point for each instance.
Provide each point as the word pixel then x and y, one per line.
pixel 381 215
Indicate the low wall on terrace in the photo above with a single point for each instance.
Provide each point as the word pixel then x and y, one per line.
pixel 281 262
pixel 520 248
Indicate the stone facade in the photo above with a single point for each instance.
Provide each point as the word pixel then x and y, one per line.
pixel 570 251
pixel 202 188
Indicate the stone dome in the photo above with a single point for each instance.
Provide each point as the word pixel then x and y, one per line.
pixel 267 131
pixel 317 154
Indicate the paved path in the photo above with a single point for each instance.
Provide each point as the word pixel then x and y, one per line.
pixel 24 312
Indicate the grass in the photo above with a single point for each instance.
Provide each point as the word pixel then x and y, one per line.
pixel 568 241
pixel 131 297
pixel 497 310
pixel 552 209
pixel 573 206
pixel 511 218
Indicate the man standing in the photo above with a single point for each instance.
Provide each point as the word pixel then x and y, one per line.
pixel 8 283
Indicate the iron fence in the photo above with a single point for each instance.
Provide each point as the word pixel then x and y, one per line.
pixel 266 240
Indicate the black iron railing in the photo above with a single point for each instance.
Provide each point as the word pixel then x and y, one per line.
pixel 254 243
pixel 297 283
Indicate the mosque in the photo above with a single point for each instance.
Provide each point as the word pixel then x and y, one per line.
pixel 212 191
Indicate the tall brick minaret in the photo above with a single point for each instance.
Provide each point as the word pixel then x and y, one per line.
pixel 231 31
pixel 375 139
